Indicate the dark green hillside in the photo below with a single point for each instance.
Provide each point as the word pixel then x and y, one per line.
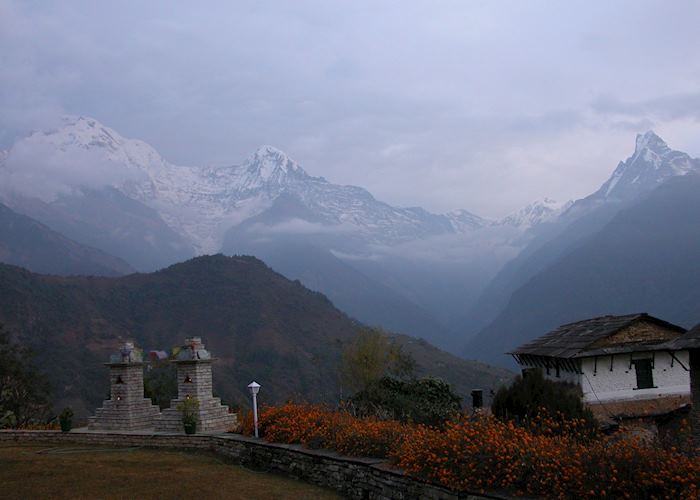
pixel 259 324
pixel 645 259
pixel 28 243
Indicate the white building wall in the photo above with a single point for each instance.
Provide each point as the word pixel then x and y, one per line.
pixel 604 384
pixel 564 376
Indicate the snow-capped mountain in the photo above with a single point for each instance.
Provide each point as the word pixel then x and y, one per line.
pixel 87 182
pixel 652 163
pixel 203 203
pixel 535 213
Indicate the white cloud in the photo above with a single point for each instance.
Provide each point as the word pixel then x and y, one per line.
pixel 40 170
pixel 446 105
pixel 296 226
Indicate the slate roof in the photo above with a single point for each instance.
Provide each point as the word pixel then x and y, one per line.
pixel 689 340
pixel 574 339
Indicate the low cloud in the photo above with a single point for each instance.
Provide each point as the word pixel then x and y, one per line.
pixel 297 226
pixel 40 170
pixel 476 105
pixel 668 107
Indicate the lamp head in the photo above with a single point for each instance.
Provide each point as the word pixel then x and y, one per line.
pixel 254 387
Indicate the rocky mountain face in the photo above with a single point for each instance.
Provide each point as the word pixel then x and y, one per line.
pixel 202 203
pixel 437 276
pixel 121 196
pixel 630 246
pixel 652 163
pixel 259 325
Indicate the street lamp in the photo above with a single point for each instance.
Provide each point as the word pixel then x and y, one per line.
pixel 254 388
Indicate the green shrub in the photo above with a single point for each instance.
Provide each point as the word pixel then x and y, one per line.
pixel 66 419
pixel 160 383
pixel 428 401
pixel 24 390
pixel 190 410
pixel 531 398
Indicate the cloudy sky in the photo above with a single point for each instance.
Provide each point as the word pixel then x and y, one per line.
pixel 480 105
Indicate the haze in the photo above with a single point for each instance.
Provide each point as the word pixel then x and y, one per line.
pixel 478 105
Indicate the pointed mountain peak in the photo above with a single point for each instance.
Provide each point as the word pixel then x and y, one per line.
pixel 81 131
pixel 73 120
pixel 84 141
pixel 546 202
pixel 267 150
pixel 649 140
pixel 272 163
pixel 651 164
pixel 538 211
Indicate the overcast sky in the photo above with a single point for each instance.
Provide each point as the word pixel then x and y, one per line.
pixel 478 105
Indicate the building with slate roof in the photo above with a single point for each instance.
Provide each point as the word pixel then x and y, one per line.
pixel 625 365
pixel 690 343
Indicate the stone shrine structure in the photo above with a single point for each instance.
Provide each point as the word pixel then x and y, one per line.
pixel 127 408
pixel 194 380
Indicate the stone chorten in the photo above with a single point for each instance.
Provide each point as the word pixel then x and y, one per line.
pixel 127 408
pixel 194 381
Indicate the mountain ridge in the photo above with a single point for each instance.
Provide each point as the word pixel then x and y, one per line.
pixel 153 213
pixel 28 243
pixel 580 219
pixel 223 196
pixel 642 258
pixel 259 324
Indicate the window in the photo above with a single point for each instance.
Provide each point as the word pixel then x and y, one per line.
pixel 645 379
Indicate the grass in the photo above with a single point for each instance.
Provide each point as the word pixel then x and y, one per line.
pixel 87 473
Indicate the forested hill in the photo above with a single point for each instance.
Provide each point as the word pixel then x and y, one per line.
pixel 259 324
pixel 28 243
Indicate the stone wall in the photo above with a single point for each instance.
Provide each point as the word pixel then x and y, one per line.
pixel 357 478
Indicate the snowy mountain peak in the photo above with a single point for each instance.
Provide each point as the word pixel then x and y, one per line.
pixel 271 164
pixel 651 164
pixel 84 132
pixel 464 221
pixel 649 140
pixel 535 213
pixel 81 134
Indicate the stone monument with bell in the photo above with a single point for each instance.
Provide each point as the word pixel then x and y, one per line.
pixel 127 408
pixel 194 381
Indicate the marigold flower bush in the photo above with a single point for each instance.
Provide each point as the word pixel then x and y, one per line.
pixel 489 454
pixel 317 426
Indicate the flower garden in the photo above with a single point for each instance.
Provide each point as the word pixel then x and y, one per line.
pixel 552 458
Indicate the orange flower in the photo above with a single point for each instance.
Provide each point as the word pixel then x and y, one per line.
pixel 485 453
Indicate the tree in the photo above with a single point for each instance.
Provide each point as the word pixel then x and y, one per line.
pixel 428 401
pixel 371 356
pixel 532 396
pixel 24 391
pixel 160 383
